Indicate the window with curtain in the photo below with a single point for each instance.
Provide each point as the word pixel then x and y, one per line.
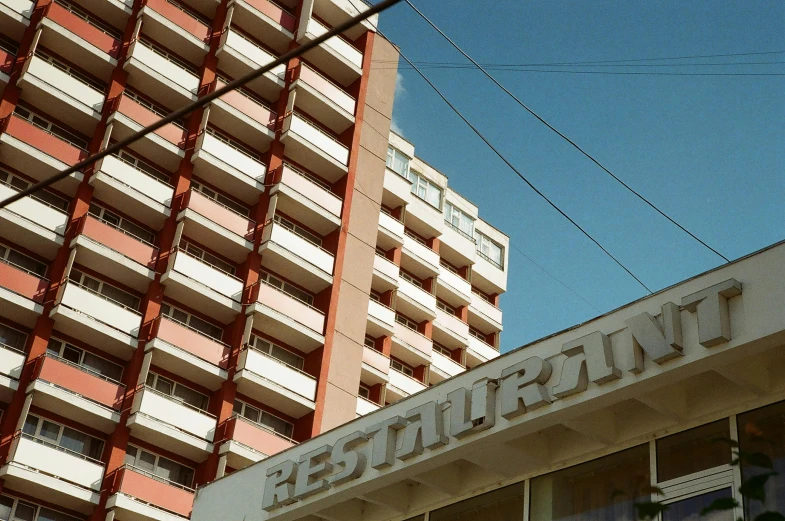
pixel 397 161
pixel 489 249
pixel 425 190
pixel 458 219
pixel 600 490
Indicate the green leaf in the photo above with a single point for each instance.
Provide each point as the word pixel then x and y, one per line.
pixel 720 505
pixel 649 510
pixel 758 459
pixel 755 487
pixel 770 516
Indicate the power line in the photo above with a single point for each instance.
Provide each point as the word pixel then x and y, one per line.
pixel 567 139
pixel 525 180
pixel 610 73
pixel 204 100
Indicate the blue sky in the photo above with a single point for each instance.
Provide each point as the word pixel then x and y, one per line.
pixel 708 150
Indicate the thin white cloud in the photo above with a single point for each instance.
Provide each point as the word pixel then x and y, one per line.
pixel 400 93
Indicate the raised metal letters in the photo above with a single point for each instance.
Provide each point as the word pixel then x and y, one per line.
pixel 711 305
pixel 589 358
pixel 278 488
pixel 352 461
pixel 660 343
pixel 522 387
pixel 472 411
pixel 311 470
pixel 425 430
pixel 383 436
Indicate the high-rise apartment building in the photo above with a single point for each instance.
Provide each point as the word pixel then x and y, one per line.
pixel 200 300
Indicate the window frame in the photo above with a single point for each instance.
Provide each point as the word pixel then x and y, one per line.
pixel 175 385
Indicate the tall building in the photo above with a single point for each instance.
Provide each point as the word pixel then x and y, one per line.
pixel 200 301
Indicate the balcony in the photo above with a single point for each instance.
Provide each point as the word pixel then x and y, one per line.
pixel 423 218
pixel 84 396
pixel 165 146
pixel 415 302
pixel 35 151
pixel 57 92
pixel 15 17
pixel 479 352
pixel 385 274
pixel 457 247
pixel 381 320
pixel 397 189
pixel 450 331
pixel 218 227
pixel 484 315
pixel 22 293
pixel 335 12
pixel 239 55
pixel 390 232
pixel 43 470
pixel 173 425
pixel 86 41
pixel 32 223
pixel 116 253
pixel 249 442
pixel 419 258
pixel 7 58
pixel 96 320
pixel 212 291
pixel 143 496
pixel 401 386
pixel 365 406
pixel 443 368
pixel 11 363
pixel 338 58
pixel 489 276
pixel 314 148
pixel 284 317
pixel 152 69
pixel 323 99
pixel 274 383
pixel 265 21
pixel 122 185
pixel 309 199
pixel 411 346
pixel 187 352
pixel 295 258
pixel 375 367
pixel 452 288
pixel 177 29
pixel 115 12
pixel 240 112
pixel 229 166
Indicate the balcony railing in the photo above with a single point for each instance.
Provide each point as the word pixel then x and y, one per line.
pixel 275 12
pixel 446 365
pixel 166 65
pixel 376 359
pixel 318 137
pixel 279 372
pixel 249 105
pixel 154 490
pixel 382 313
pixel 82 24
pixel 80 380
pixel 404 382
pixel 340 46
pixel 57 146
pixel 292 307
pixel 192 341
pixel 144 116
pixel 365 406
pixel 328 88
pixel 300 247
pixel 417 295
pixel 174 412
pixel 121 241
pixel 205 274
pixel 415 340
pixel 138 180
pixel 181 17
pixel 312 188
pixel 52 459
pixel 481 306
pixel 257 436
pixel 225 217
pixel 11 361
pixel 22 281
pixel 101 308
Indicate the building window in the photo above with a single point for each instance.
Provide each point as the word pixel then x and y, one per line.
pixel 191 321
pixel 87 361
pixel 458 220
pixel 693 451
pixel 121 223
pixel 763 430
pixel 446 308
pixel 489 250
pixel 411 324
pixel 23 262
pixel 263 418
pixel 59 436
pixel 206 257
pixel 397 162
pixel 289 289
pixel 505 504
pixel 603 489
pixel 479 335
pixel 298 230
pixel 221 199
pixel 365 392
pixel 410 278
pixel 425 190
pixel 13 509
pixel 417 238
pixel 370 342
pixel 177 391
pixel 279 353
pixel 401 368
pixel 442 350
pixel 13 338
pixel 158 466
pixel 100 287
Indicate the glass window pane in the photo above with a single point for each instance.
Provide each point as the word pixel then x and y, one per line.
pixel 693 451
pixel 689 509
pixel 589 491
pixel 252 413
pixel 130 455
pixel 31 424
pixel 102 366
pixel 164 385
pixel 45 514
pixel 12 338
pixel 24 512
pixel 75 441
pixel 146 460
pixel 190 396
pixel 49 430
pixel 71 353
pixel 6 504
pixel 763 430
pixel 505 504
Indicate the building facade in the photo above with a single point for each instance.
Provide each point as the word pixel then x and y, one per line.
pixel 200 300
pixel 649 402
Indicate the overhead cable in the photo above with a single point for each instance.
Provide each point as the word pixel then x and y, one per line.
pixel 204 100
pixel 560 134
